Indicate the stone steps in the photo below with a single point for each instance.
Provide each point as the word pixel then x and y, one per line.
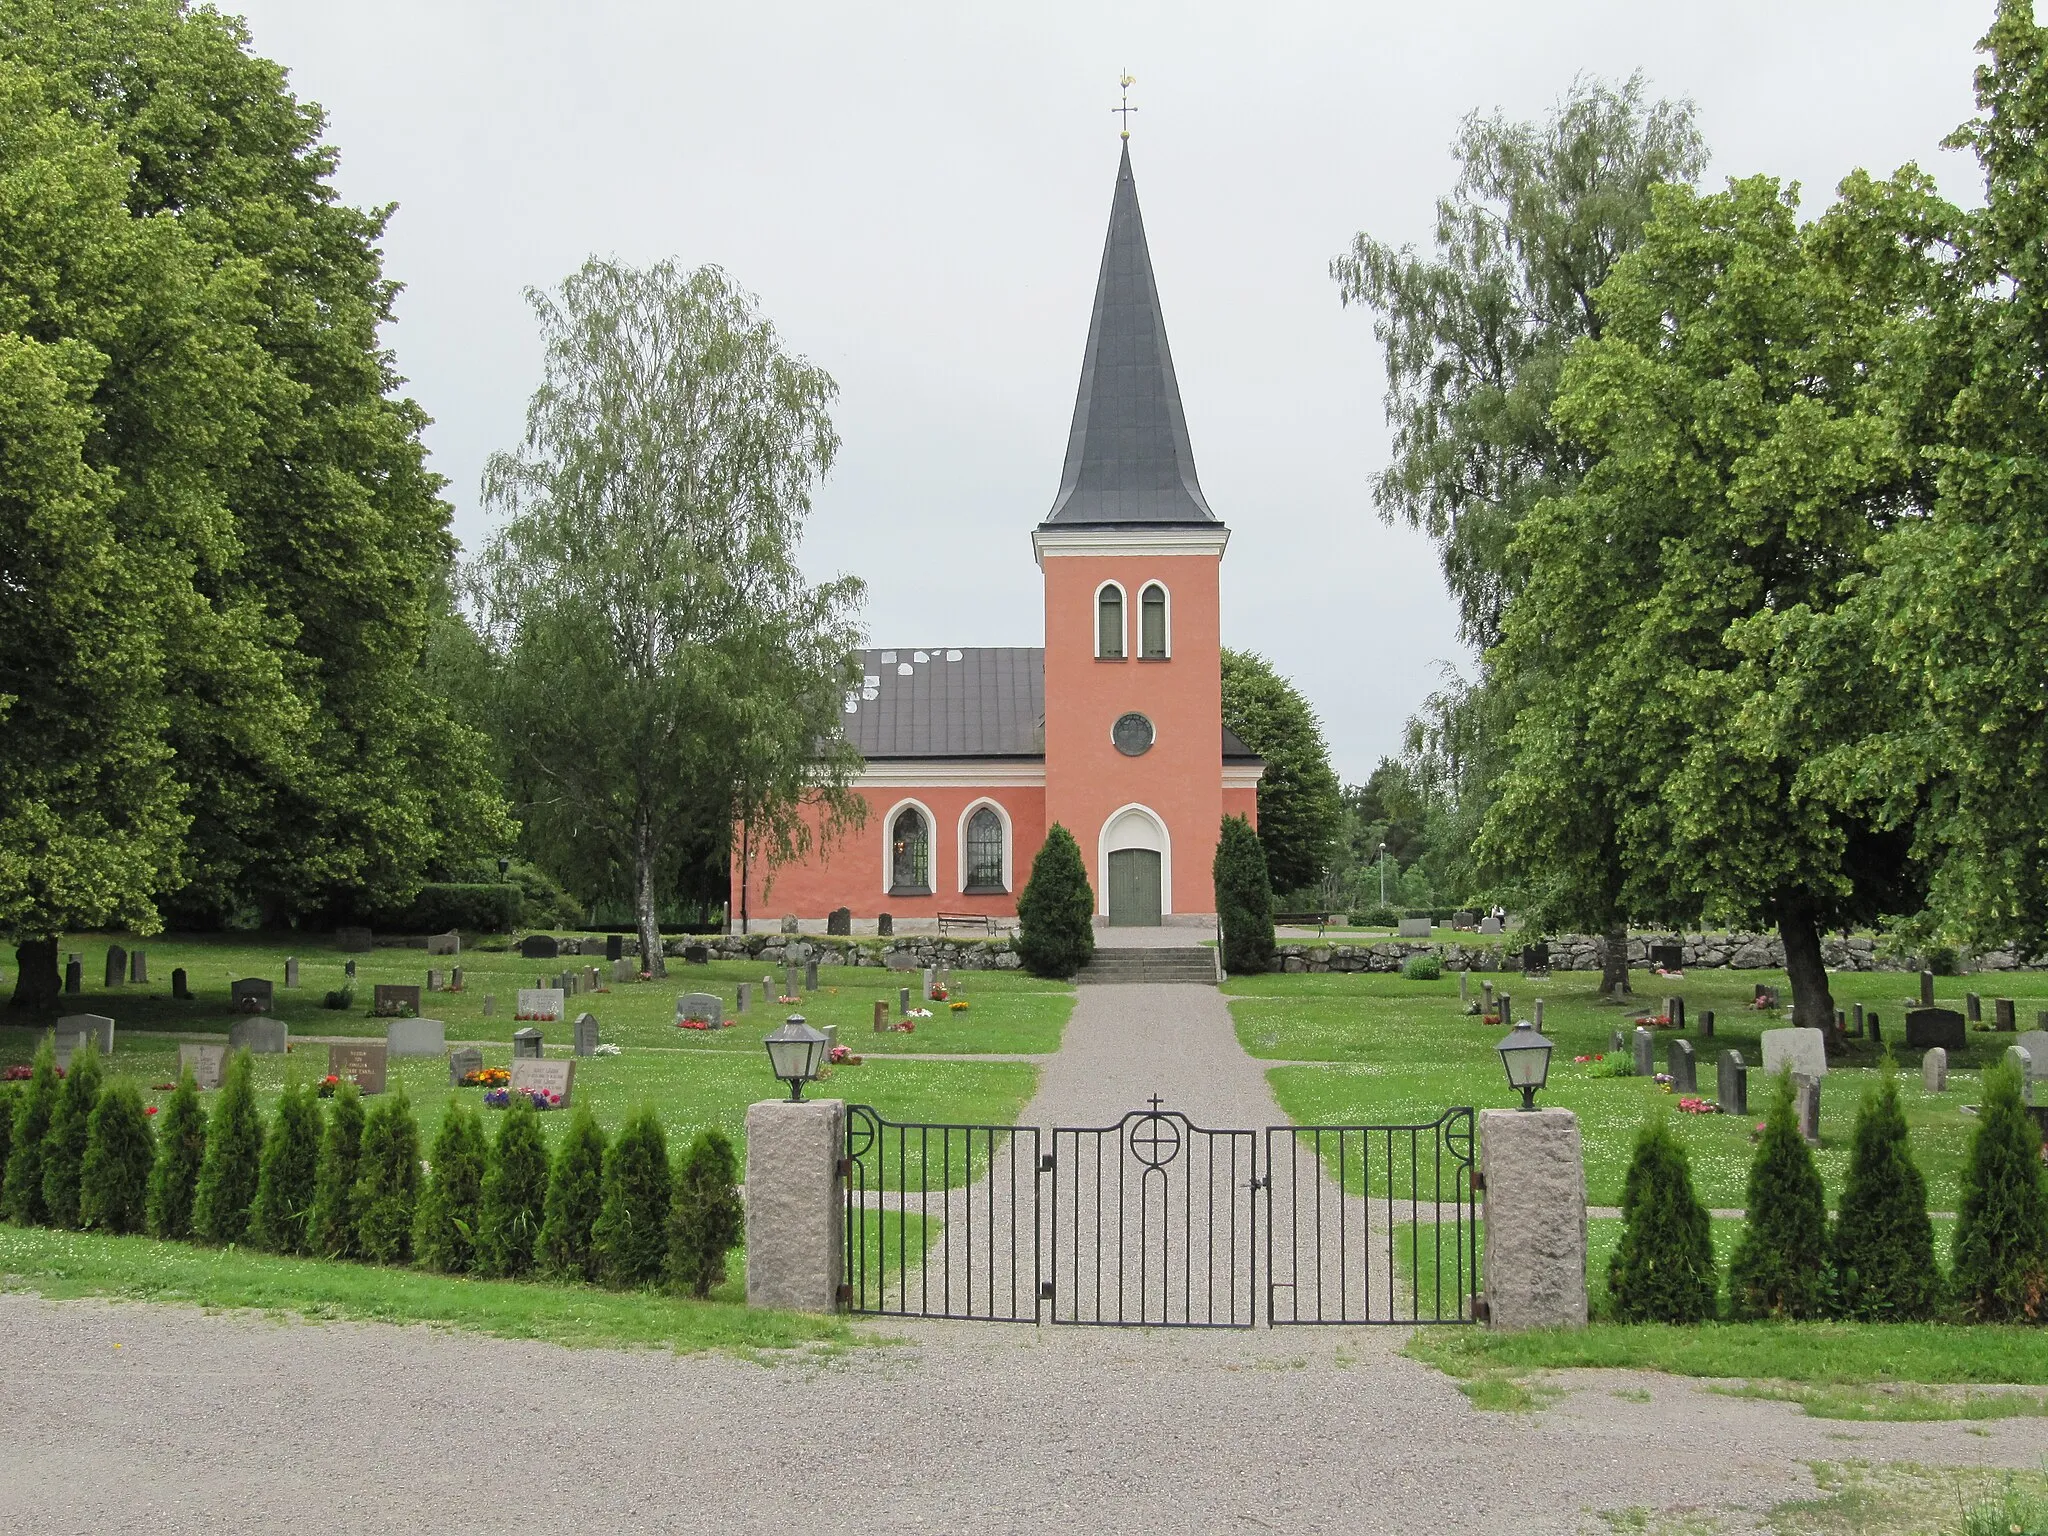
pixel 1196 966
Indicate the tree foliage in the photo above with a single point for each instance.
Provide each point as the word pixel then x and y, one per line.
pixel 234 1151
pixel 1056 912
pixel 2001 1243
pixel 387 1186
pixel 1662 1270
pixel 1299 805
pixel 113 1181
pixel 1882 1245
pixel 662 661
pixel 288 1179
pixel 708 1217
pixel 64 1142
pixel 575 1197
pixel 630 1238
pixel 180 1151
pixel 1780 1265
pixel 1244 898
pixel 445 1226
pixel 331 1233
pixel 515 1191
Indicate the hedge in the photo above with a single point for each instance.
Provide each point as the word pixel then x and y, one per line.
pixel 472 908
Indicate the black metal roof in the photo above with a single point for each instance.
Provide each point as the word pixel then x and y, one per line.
pixel 960 701
pixel 1128 456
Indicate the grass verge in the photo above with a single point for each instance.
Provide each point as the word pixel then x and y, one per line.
pixel 63 1265
pixel 1897 1403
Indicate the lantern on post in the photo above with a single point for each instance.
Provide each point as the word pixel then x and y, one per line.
pixel 1526 1055
pixel 796 1052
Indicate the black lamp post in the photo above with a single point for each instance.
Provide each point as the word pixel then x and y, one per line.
pixel 796 1052
pixel 1526 1055
pixel 504 867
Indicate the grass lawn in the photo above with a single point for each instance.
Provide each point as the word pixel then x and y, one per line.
pixel 1386 1050
pixel 73 1264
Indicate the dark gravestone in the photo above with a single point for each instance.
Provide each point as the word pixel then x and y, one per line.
pixel 1535 959
pixel 348 969
pixel 463 1061
pixel 881 1015
pixel 74 975
pixel 1645 1053
pixel 353 941
pixel 1876 1034
pixel 391 1002
pixel 615 947
pixel 1927 989
pixel 117 965
pixel 1806 1100
pixel 181 985
pixel 1856 1020
pixel 1667 957
pixel 1766 997
pixel 539 946
pixel 810 975
pixel 526 1044
pixel 253 994
pixel 2004 1017
pixel 746 996
pixel 840 922
pixel 1926 1027
pixel 1679 1063
pixel 1733 1083
pixel 903 1001
pixel 1707 1025
pixel 885 925
pixel 138 967
pixel 1973 1007
pixel 586 1034
pixel 362 1062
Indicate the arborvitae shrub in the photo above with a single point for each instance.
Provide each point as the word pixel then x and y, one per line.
pixel 10 1099
pixel 2001 1252
pixel 113 1182
pixel 288 1178
pixel 708 1217
pixel 1056 913
pixel 631 1235
pixel 1244 899
pixel 515 1194
pixel 64 1142
pixel 1780 1267
pixel 332 1230
pixel 444 1233
pixel 22 1195
pixel 575 1195
pixel 1883 1243
pixel 180 1149
pixel 1663 1269
pixel 1422 968
pixel 234 1157
pixel 387 1181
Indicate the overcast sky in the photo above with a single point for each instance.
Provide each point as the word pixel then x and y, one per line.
pixel 918 191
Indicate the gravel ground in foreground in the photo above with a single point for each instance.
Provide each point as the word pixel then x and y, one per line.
pixel 228 1423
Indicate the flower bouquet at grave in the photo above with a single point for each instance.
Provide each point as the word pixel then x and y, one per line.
pixel 163 1087
pixel 328 1085
pixel 1580 1061
pixel 959 1007
pixel 842 1055
pixel 1673 975
pixel 646 975
pixel 1663 1080
pixel 543 1098
pixel 609 1048
pixel 1655 1021
pixel 498 1098
pixel 486 1077
pixel 1490 1020
pixel 905 1027
pixel 150 1110
pixel 918 1013
pixel 16 1074
pixel 1696 1106
pixel 788 1001
pixel 939 994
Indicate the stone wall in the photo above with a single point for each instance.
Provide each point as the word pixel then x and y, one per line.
pixel 1579 952
pixel 912 952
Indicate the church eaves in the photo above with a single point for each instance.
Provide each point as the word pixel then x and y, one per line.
pixel 1128 457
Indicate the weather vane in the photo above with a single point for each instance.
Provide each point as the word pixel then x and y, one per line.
pixel 1126 80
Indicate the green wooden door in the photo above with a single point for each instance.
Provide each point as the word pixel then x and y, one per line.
pixel 1134 888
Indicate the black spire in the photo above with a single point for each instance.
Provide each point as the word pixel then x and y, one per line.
pixel 1128 457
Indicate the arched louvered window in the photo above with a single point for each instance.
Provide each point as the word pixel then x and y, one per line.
pixel 1152 623
pixel 985 850
pixel 1109 623
pixel 910 854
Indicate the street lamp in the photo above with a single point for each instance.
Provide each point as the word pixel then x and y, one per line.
pixel 1383 874
pixel 1526 1055
pixel 795 1053
pixel 504 867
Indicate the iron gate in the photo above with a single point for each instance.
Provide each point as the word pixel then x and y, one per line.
pixel 1152 1222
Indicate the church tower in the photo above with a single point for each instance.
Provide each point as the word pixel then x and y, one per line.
pixel 1132 558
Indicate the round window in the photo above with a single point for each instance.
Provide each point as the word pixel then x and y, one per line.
pixel 1132 734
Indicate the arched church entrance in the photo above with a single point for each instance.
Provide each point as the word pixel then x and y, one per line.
pixel 1134 848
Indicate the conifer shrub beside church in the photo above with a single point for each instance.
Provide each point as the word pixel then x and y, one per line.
pixel 1244 898
pixel 1056 913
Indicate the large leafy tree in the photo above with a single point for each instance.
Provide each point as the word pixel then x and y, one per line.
pixel 661 659
pixel 1300 805
pixel 1475 337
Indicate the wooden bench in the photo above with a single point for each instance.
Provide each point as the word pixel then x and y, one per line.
pixel 979 920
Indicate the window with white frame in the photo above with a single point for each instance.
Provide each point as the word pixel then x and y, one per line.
pixel 985 851
pixel 1109 623
pixel 910 854
pixel 1152 623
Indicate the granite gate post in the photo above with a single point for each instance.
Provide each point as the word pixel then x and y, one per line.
pixel 796 1215
pixel 1535 1256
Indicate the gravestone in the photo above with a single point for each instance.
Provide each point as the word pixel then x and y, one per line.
pixel 2034 1042
pixel 1973 1007
pixel 2024 1060
pixel 462 1062
pixel 1856 1020
pixel 1667 957
pixel 207 1063
pixel 353 941
pixel 705 1006
pixel 931 979
pixel 1464 986
pixel 99 1029
pixel 252 994
pixel 1935 1026
pixel 74 975
pixel 622 970
pixel 455 979
pixel 490 1004
pixel 1766 997
pixel 1536 1016
pixel 1803 1050
pixel 1732 1083
pixel 790 924
pixel 181 986
pixel 1806 1101
pixel 615 947
pixel 899 960
pixel 1679 1063
pixel 416 1037
pixel 449 943
pixel 544 1004
pixel 117 965
pixel 1536 960
pixel 1486 997
pixel 746 995
pixel 1507 1009
pixel 1934 1071
pixel 1707 1025
pixel 1678 1014
pixel 539 946
pixel 362 1062
pixel 902 1001
pixel 1489 926
pixel 348 969
pixel 810 975
pixel 789 982
pixel 291 971
pixel 258 1035
pixel 1463 921
pixel 138 967
pixel 1927 989
pixel 526 1044
pixel 586 1034
pixel 840 922
pixel 529 1072
pixel 1645 1053
pixel 1414 928
pixel 2004 1017
pixel 388 1001
pixel 65 1044
pixel 434 981
pixel 881 1015
pixel 1876 1033
pixel 1616 1044
pixel 885 925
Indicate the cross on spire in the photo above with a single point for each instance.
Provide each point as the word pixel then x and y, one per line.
pixel 1126 80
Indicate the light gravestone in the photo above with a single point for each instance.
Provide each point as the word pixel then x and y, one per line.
pixel 586 1034
pixel 206 1063
pixel 1732 1081
pixel 1806 1101
pixel 899 960
pixel 530 1072
pixel 416 1037
pixel 291 971
pixel 1803 1050
pixel 526 1044
pixel 1927 1027
pixel 117 965
pixel 1489 926
pixel 593 979
pixel 2023 1059
pixel 2034 1042
pixel 455 979
pixel 259 1036
pixel 252 994
pixel 490 1004
pixel 705 1007
pixel 1464 986
pixel 66 1043
pixel 99 1029
pixel 746 995
pixel 1416 928
pixel 622 971
pixel 389 1001
pixel 138 967
pixel 1934 1071
pixel 1679 1063
pixel 1646 1053
pixel 810 975
pixel 931 979
pixel 464 1061
pixel 435 981
pixel 362 1062
pixel 541 1004
pixel 790 923
pixel 444 943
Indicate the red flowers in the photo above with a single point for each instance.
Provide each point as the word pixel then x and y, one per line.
pixel 150 1110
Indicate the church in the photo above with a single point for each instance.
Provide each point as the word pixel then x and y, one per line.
pixel 1113 728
